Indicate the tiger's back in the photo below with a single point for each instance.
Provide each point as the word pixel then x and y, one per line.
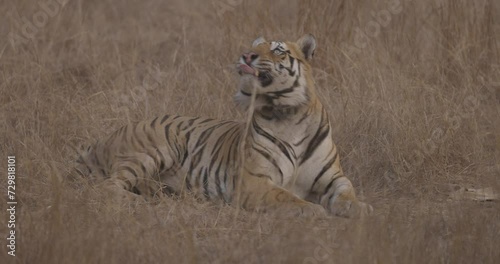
pixel 178 150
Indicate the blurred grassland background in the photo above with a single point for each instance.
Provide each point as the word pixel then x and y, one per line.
pixel 412 88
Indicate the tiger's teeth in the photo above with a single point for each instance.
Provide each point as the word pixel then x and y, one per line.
pixel 256 73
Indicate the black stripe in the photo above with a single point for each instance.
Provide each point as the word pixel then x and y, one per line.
pixel 287 90
pixel 205 184
pixel 267 116
pixel 220 142
pixel 330 199
pixel 167 140
pixel 259 175
pixel 196 159
pixel 197 182
pixel 299 68
pixel 191 121
pixel 235 143
pixel 334 178
pixel 205 121
pixel 141 143
pixel 167 132
pixel 136 191
pixel 135 162
pixel 245 93
pixel 284 91
pixel 203 138
pixel 168 190
pixel 144 170
pixel 149 137
pixel 162 160
pixel 93 157
pixel 114 135
pixel 244 204
pixel 226 196
pixel 153 123
pixel 301 141
pixel 266 155
pixel 324 169
pixel 214 159
pixel 217 172
pixel 274 140
pixel 133 140
pixel 321 134
pixel 218 181
pixel 119 132
pixel 232 157
pixel 164 119
pixel 290 71
pixel 306 114
pixel 184 158
pixel 179 125
pixel 188 183
pixel 157 162
pixel 207 132
pixel 270 159
pixel 132 171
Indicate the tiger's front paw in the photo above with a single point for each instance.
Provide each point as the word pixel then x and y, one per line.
pixel 312 210
pixel 111 193
pixel 293 210
pixel 351 209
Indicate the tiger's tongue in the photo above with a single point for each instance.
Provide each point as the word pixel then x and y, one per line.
pixel 247 69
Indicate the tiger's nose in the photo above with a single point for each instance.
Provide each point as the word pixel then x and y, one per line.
pixel 249 57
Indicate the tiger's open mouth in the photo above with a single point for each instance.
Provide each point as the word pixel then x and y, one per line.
pixel 246 69
pixel 264 77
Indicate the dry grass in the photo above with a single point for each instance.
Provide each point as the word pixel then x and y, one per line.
pixel 416 112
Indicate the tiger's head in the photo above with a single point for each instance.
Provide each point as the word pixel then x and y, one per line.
pixel 279 72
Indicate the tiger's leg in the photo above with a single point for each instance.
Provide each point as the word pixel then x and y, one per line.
pixel 133 177
pixel 261 194
pixel 340 199
pixel 334 191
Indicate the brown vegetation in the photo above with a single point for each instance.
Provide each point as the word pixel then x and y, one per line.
pixel 415 102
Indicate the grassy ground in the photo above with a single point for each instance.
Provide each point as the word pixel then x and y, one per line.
pixel 412 87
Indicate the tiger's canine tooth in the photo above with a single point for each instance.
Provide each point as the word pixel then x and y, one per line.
pixel 256 73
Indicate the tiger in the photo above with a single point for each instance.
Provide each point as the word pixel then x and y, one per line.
pixel 282 159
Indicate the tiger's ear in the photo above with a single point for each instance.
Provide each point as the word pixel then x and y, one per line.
pixel 307 45
pixel 258 41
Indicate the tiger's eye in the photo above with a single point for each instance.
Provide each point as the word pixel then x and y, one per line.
pixel 277 52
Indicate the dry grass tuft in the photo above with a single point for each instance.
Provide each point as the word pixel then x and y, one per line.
pixel 416 105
